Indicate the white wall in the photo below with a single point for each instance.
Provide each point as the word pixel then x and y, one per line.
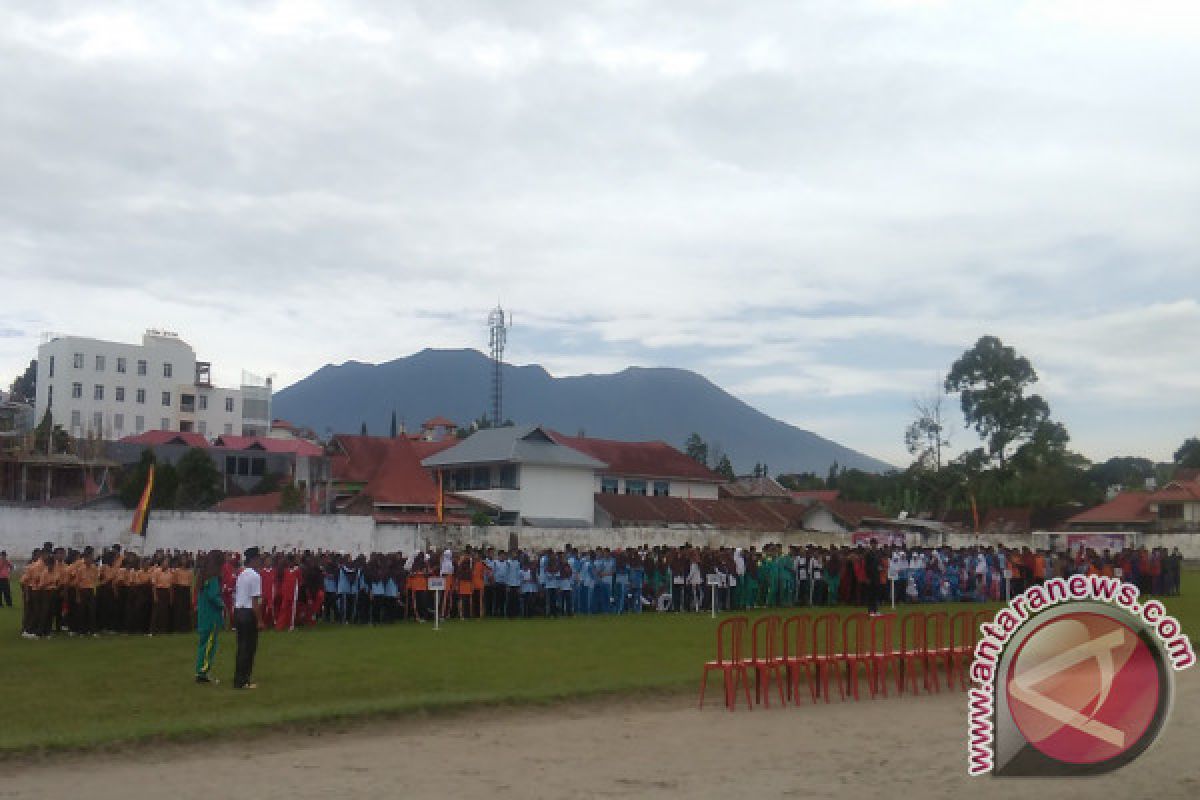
pixel 557 493
pixel 23 529
pixel 821 520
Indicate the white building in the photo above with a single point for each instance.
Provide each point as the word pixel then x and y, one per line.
pixel 112 389
pixel 524 474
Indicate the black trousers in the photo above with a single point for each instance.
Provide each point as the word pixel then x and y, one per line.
pixel 5 593
pixel 85 612
pixel 872 589
pixel 247 645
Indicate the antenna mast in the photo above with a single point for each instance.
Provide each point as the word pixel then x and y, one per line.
pixel 498 325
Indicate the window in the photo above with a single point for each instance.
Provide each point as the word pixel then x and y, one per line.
pixel 508 477
pixel 119 422
pixel 76 391
pixel 164 424
pixel 609 486
pixel 166 398
pixel 635 487
pixel 166 370
pixel 139 424
pixel 202 428
pixel 185 426
pixel 97 392
pixel 98 422
pixel 229 404
pixel 79 361
pixel 120 363
pixel 141 395
pixel 258 466
pixel 228 428
pixel 662 488
pixel 1170 511
pixel 50 395
pixel 76 420
pixel 120 390
pixel 51 365
pixel 99 363
pixel 203 402
pixel 187 403
pixel 141 366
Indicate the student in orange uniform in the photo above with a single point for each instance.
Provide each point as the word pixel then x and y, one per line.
pixel 31 599
pixel 479 580
pixel 84 580
pixel 161 581
pixel 181 594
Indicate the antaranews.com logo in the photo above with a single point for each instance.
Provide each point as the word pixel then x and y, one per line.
pixel 1072 677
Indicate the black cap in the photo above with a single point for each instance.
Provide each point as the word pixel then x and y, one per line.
pixel 251 552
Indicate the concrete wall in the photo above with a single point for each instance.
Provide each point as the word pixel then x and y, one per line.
pixel 23 529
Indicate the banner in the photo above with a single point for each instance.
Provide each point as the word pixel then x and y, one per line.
pixel 884 538
pixel 1098 541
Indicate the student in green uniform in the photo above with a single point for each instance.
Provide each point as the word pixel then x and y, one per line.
pixel 210 613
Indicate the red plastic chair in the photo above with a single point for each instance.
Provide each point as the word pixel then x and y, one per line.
pixel 937 650
pixel 797 652
pixel 856 649
pixel 765 659
pixel 729 661
pixel 883 654
pixel 963 635
pixel 824 655
pixel 912 650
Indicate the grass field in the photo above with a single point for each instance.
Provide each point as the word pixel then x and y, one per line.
pixel 80 693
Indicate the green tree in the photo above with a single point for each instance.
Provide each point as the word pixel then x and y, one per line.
pixel 24 386
pixel 49 435
pixel 991 380
pixel 166 483
pixel 480 519
pixel 724 468
pixel 199 481
pixel 291 499
pixel 801 481
pixel 1188 454
pixel 696 449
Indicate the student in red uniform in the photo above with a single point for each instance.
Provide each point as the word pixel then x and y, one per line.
pixel 268 575
pixel 289 591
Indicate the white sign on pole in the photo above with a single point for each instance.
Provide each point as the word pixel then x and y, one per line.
pixel 437 585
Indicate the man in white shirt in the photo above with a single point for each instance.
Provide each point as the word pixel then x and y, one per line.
pixel 247 619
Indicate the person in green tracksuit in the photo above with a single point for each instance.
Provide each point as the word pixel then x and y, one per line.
pixel 210 613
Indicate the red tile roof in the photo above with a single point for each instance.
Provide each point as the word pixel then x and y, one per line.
pixel 852 512
pixel 390 470
pixel 251 504
pixel 297 447
pixel 438 422
pixel 1177 491
pixel 156 438
pixel 1125 507
pixel 815 495
pixel 626 509
pixel 640 459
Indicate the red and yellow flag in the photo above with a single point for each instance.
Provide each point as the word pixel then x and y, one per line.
pixel 141 515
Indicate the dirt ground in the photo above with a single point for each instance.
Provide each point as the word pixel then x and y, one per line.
pixel 899 747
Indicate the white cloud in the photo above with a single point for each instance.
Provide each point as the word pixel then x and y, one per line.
pixel 800 199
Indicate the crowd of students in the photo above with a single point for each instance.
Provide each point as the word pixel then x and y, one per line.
pixel 80 594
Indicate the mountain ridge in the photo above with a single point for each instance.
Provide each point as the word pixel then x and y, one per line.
pixel 635 403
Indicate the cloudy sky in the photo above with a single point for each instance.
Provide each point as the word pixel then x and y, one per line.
pixel 819 205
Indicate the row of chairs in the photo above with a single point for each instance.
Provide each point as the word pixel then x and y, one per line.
pixel 874 648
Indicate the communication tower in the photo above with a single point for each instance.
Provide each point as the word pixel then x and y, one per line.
pixel 498 324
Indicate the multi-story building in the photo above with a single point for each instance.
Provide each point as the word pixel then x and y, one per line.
pixel 112 389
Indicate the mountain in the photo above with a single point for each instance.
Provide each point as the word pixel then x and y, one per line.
pixel 634 404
